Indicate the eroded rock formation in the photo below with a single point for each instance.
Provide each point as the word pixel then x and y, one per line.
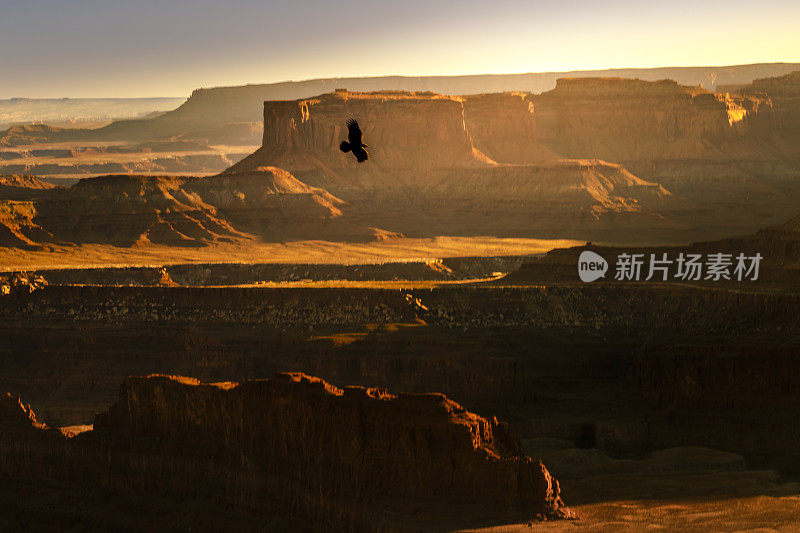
pixel 595 158
pixel 332 459
pixel 122 210
pixel 435 158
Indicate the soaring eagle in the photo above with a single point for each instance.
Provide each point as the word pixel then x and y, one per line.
pixel 353 142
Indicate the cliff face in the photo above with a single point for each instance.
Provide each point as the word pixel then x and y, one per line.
pixel 405 130
pixel 434 158
pixel 15 414
pixel 647 126
pixel 504 128
pixel 17 228
pixel 711 151
pixel 783 92
pixel 632 122
pixel 596 158
pixel 335 459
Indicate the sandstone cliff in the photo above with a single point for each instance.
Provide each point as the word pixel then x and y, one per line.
pixel 654 128
pixel 711 151
pixel 17 226
pixel 406 130
pixel 643 125
pixel 607 159
pixel 231 115
pixel 332 459
pixel 436 158
pixel 783 93
pixel 503 126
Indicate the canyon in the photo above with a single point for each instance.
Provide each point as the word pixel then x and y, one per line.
pixel 464 374
pixel 597 159
pixel 602 159
pixel 595 379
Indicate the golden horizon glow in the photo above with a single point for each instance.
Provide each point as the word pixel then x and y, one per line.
pixel 120 50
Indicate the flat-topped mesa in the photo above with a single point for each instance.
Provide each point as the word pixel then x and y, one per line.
pixel 352 459
pixel 403 129
pixel 640 123
pixel 628 121
pixel 356 452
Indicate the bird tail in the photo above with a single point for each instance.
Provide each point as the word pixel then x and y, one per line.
pixel 344 147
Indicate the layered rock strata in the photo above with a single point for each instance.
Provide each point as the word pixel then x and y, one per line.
pixel 334 459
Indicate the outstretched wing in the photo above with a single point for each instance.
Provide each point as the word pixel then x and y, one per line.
pixel 353 133
pixel 361 154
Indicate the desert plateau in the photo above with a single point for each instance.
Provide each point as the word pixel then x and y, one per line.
pixel 413 269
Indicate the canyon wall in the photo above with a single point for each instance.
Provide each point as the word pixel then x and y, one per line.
pixel 406 130
pixel 488 347
pixel 736 395
pixel 783 93
pixel 352 459
pixel 655 129
pixel 503 126
pixel 226 114
pixel 708 152
pixel 643 125
pixel 434 158
pixel 607 159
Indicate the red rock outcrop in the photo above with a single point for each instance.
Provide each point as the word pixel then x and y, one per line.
pixel 265 203
pixel 435 158
pixel 783 94
pixel 653 128
pixel 127 210
pixel 333 459
pixel 592 159
pixel 503 126
pixel 405 131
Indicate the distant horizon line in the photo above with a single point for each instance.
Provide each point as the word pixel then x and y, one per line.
pixel 463 75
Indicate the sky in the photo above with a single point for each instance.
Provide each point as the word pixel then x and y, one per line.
pixel 139 48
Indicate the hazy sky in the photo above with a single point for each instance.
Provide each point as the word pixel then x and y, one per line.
pixel 127 48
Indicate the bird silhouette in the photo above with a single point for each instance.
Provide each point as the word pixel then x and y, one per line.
pixel 353 142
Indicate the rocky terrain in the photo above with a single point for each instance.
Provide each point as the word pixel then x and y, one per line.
pixel 426 170
pixel 329 459
pixel 230 115
pixel 647 400
pixel 127 211
pixel 605 159
pixel 614 384
pixel 663 161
